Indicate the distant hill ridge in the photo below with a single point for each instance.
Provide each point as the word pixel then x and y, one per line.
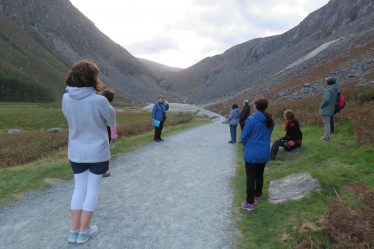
pixel 41 39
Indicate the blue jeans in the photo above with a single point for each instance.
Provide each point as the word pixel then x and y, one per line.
pixel 233 133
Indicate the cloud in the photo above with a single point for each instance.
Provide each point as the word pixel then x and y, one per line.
pixel 157 44
pixel 181 33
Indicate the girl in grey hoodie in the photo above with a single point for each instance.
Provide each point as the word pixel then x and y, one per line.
pixel 88 114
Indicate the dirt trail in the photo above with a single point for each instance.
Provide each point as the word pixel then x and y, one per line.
pixel 174 194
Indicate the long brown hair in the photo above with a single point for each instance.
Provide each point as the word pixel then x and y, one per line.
pixel 84 74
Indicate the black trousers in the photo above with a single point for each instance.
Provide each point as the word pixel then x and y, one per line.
pixel 158 131
pixel 281 143
pixel 332 125
pixel 242 126
pixel 255 180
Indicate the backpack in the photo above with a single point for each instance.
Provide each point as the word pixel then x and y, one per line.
pixel 340 102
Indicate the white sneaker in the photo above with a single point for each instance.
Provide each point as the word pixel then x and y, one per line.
pixel 83 237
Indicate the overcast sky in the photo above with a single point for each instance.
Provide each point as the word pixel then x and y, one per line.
pixel 182 32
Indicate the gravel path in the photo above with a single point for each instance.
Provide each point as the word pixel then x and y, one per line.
pixel 174 194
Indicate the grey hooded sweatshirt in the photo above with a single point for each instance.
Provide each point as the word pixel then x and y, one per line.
pixel 88 114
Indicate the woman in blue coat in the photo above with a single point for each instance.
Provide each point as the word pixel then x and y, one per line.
pixel 256 137
pixel 233 122
pixel 159 113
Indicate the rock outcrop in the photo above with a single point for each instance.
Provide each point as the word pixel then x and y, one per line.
pixel 292 187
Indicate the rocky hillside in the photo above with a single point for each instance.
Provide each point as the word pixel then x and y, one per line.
pixel 342 27
pixel 40 39
pixel 159 71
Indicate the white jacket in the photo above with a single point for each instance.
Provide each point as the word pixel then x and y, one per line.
pixel 88 115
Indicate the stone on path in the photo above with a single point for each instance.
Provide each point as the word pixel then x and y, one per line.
pixel 292 187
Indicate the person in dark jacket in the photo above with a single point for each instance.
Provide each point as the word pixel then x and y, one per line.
pixel 256 140
pixel 327 108
pixel 233 122
pixel 159 114
pixel 293 137
pixel 244 114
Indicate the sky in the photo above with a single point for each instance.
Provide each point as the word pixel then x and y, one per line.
pixel 180 33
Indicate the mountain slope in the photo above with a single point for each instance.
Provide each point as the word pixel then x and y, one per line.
pixel 53 34
pixel 158 70
pixel 250 65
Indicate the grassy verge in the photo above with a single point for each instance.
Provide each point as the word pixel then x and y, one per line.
pixel 335 165
pixel 34 142
pixel 15 180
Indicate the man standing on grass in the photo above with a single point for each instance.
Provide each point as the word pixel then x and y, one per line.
pixel 159 116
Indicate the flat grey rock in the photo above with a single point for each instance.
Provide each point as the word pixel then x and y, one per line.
pixel 56 130
pixel 292 187
pixel 13 131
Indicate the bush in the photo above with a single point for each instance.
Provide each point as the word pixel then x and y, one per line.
pixel 352 226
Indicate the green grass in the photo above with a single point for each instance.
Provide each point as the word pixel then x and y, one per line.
pixel 15 180
pixel 334 164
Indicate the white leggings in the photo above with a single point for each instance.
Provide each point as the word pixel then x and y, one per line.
pixel 86 191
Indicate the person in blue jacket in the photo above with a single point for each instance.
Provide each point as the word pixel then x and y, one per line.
pixel 159 113
pixel 233 122
pixel 256 138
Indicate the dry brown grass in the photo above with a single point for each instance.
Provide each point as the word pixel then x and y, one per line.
pixel 23 148
pixel 352 226
pixel 18 149
pixel 359 110
pixel 348 226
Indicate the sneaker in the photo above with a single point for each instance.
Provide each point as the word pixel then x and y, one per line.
pixel 73 236
pixel 162 140
pixel 157 140
pixel 324 139
pixel 83 237
pixel 247 206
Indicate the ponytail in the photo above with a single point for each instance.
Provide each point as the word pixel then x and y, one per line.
pixel 269 120
pixel 261 105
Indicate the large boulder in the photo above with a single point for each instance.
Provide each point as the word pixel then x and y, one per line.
pixel 292 187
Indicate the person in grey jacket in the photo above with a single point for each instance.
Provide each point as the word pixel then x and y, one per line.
pixel 233 122
pixel 88 114
pixel 327 109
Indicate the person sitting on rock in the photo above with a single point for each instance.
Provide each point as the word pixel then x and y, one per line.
pixel 293 137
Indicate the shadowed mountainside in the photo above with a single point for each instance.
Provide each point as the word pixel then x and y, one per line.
pixel 256 66
pixel 42 38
